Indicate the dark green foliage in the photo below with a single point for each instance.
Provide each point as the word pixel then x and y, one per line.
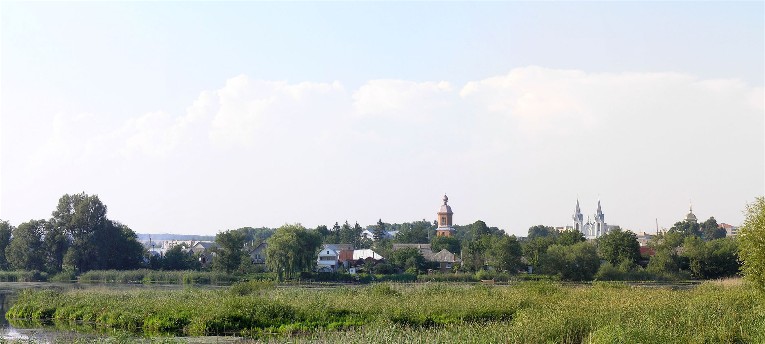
pixel 5 240
pixel 414 233
pixel 449 243
pixel 619 246
pixel 542 231
pixel 26 251
pixel 379 230
pixel 711 230
pixel 505 254
pixel 179 258
pixel 711 259
pixel 577 262
pixel 407 259
pixel 569 237
pixel 95 241
pixel 230 250
pixel 292 249
pixel 534 249
pixel 686 228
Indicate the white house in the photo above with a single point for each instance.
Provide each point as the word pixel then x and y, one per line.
pixel 327 260
pixel 329 257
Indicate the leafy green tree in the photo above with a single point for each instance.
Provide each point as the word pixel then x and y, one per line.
pixel 358 241
pixel 711 259
pixel 619 246
pixel 292 249
pixel 254 236
pixel 5 239
pixel 413 233
pixel 230 250
pixel 666 260
pixel 55 243
pixel 505 254
pixel 752 242
pixel 711 230
pixel 95 241
pixel 379 230
pixel 439 243
pixel 578 262
pixel 25 251
pixel 117 247
pixel 475 245
pixel 179 258
pixel 542 231
pixel 347 235
pixel 686 228
pixel 535 248
pixel 408 259
pixel 568 237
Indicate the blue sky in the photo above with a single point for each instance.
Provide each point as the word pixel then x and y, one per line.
pixel 195 117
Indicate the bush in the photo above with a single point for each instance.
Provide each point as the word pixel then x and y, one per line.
pixel 23 276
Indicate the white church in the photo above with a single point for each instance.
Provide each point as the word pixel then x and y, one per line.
pixel 592 229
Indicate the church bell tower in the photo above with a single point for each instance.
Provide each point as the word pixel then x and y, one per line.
pixel 445 219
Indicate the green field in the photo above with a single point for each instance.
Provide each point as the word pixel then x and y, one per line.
pixel 527 312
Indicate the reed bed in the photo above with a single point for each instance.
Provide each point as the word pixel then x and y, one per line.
pixel 528 312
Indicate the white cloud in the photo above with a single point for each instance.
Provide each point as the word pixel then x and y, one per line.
pixel 252 108
pixel 402 99
pixel 517 147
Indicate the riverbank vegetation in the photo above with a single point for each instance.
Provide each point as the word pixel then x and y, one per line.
pixel 528 312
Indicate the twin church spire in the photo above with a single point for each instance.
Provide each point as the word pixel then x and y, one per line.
pixel 592 229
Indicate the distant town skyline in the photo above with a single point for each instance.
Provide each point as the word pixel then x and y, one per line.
pixel 198 117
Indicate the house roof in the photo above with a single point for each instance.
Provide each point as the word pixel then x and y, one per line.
pixel 417 246
pixel 443 256
pixel 337 247
pixel 364 254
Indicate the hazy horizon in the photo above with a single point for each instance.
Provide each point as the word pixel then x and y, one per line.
pixel 197 117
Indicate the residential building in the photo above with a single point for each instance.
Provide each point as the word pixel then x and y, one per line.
pixel 644 238
pixel 328 259
pixel 258 253
pixel 445 260
pixel 730 230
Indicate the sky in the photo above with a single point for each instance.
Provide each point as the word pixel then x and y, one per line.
pixel 199 117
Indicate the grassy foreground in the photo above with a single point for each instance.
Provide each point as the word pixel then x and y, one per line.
pixel 530 312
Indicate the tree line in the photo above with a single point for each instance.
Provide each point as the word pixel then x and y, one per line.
pixel 79 237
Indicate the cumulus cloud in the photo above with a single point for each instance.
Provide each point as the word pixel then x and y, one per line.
pixel 541 135
pixel 402 99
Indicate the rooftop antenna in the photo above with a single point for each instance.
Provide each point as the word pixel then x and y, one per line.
pixel 657 226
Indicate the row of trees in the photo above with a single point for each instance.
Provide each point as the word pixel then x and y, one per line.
pixel 78 236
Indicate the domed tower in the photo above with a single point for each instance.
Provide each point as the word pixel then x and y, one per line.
pixel 690 217
pixel 445 219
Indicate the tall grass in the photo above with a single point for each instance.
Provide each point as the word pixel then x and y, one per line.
pixel 167 277
pixel 528 312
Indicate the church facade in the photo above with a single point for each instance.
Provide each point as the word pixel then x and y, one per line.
pixel 592 229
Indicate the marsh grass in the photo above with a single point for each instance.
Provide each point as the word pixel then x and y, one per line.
pixel 528 312
pixel 147 276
